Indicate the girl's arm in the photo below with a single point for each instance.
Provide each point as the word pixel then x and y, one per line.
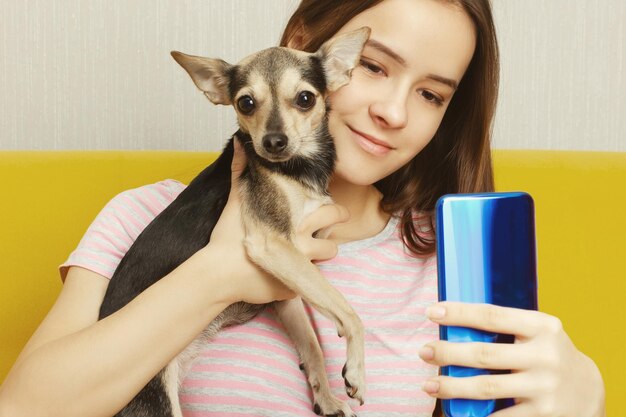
pixel 75 365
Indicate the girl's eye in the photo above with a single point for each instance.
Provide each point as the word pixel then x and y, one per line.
pixel 432 98
pixel 373 68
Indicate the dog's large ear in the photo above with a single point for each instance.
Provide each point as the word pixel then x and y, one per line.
pixel 210 75
pixel 340 55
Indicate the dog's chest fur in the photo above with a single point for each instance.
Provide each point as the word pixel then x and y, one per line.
pixel 280 201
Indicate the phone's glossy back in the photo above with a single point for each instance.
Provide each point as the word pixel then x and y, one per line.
pixel 486 254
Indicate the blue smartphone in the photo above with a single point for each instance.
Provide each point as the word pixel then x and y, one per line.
pixel 486 253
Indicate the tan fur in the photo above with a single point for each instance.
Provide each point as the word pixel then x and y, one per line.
pixel 301 202
pixel 297 123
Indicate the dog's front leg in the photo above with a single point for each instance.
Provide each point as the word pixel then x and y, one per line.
pixel 280 257
pixel 292 315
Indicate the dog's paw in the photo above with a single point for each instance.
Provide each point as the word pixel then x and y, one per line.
pixel 324 402
pixel 354 378
pixel 330 406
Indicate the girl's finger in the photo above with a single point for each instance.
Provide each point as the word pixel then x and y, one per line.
pixel 479 355
pixel 522 409
pixel 237 165
pixel 514 321
pixel 239 160
pixel 323 217
pixel 319 249
pixel 482 387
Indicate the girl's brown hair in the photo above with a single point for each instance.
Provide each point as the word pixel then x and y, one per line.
pixel 458 158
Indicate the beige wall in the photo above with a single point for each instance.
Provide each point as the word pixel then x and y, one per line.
pixel 97 74
pixel 563 74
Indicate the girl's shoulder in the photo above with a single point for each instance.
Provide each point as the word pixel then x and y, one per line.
pixel 118 224
pixel 135 208
pixel 142 202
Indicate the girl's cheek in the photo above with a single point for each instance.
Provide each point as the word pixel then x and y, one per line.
pixel 351 96
pixel 338 100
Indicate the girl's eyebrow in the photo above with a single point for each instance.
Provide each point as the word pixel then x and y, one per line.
pixel 386 50
pixel 393 55
pixel 443 80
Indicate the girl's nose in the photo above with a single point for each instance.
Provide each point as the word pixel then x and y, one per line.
pixel 390 112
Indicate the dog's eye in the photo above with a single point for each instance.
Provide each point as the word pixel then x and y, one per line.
pixel 305 100
pixel 246 105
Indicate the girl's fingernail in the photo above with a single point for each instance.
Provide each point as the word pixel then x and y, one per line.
pixel 435 312
pixel 427 353
pixel 431 387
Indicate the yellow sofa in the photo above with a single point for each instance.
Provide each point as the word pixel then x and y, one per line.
pixel 50 198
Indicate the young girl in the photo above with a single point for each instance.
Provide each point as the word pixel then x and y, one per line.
pixel 412 125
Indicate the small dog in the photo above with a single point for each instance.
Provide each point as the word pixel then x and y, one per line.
pixel 280 98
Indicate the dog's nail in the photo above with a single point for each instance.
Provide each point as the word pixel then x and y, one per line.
pixel 302 366
pixel 343 370
pixel 317 410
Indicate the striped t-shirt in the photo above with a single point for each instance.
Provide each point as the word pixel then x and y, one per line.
pixel 253 369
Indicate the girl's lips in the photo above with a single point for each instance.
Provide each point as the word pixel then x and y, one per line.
pixel 369 144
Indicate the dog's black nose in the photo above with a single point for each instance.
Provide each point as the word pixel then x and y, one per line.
pixel 275 142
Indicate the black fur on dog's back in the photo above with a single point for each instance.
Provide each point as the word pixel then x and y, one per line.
pixel 179 231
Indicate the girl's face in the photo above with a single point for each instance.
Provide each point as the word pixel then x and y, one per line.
pixel 417 54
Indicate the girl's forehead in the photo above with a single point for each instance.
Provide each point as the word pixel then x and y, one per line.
pixel 434 32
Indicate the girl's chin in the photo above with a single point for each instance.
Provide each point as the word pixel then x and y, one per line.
pixel 355 174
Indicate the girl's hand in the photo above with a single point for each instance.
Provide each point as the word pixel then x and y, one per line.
pixel 549 377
